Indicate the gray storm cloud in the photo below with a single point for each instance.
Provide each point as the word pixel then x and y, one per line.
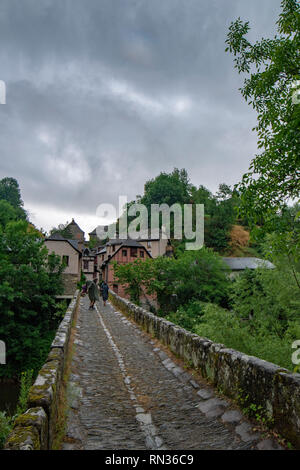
pixel 103 95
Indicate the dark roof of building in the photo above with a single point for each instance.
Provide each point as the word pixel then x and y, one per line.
pixel 127 242
pixel 55 236
pixel 75 225
pixel 239 264
pixel 88 252
pixel 131 243
pixel 58 237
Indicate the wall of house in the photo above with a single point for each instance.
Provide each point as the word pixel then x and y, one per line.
pixel 62 248
pixel 157 248
pixel 89 272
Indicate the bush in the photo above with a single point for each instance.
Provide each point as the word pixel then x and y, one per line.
pixel 188 316
pixel 269 297
pixel 250 337
pixel 29 281
pixel 6 423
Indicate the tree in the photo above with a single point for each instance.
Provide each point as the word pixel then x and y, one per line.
pixel 10 192
pixel 199 275
pixel 29 282
pixel 167 188
pixel 134 277
pixel 273 65
pixel 63 230
pixel 7 213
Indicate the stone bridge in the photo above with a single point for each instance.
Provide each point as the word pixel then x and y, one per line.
pixel 137 382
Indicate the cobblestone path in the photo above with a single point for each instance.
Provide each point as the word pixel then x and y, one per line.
pixel 125 392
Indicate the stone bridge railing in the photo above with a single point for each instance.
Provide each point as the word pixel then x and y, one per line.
pixel 237 375
pixel 35 429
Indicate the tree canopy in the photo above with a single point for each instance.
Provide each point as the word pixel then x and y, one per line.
pixel 273 68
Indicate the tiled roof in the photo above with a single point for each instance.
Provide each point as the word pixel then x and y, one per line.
pixel 60 238
pixel 56 236
pixel 73 223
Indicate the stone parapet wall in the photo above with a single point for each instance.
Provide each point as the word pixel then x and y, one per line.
pixel 70 283
pixel 237 375
pixel 35 429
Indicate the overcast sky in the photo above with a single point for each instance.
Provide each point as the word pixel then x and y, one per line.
pixel 103 95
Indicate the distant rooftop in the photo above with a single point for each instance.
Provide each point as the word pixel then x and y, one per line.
pixel 73 225
pixel 239 264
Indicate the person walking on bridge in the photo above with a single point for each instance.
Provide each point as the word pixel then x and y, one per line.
pixel 93 293
pixel 104 290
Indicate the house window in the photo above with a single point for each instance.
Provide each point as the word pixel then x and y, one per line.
pixel 149 244
pixel 133 252
pixel 65 260
pixel 142 253
pixel 124 252
pixel 115 288
pixel 85 264
pixel 102 257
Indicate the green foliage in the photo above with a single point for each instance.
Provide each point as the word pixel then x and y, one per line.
pixel 29 282
pixel 250 337
pixel 93 242
pixel 10 192
pixel 134 277
pixel 63 230
pixel 175 188
pixel 6 423
pixel 167 189
pixel 26 382
pixel 273 65
pixel 7 213
pixel 196 275
pixel 270 296
pixel 82 280
pixel 264 320
pixel 188 316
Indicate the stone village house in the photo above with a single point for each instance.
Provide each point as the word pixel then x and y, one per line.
pixel 98 262
pixel 71 255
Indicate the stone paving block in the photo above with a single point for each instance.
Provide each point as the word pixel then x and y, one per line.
pixel 194 384
pixel 214 412
pixel 269 444
pixel 205 393
pixel 211 404
pixel 232 416
pixel 163 355
pixel 245 432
